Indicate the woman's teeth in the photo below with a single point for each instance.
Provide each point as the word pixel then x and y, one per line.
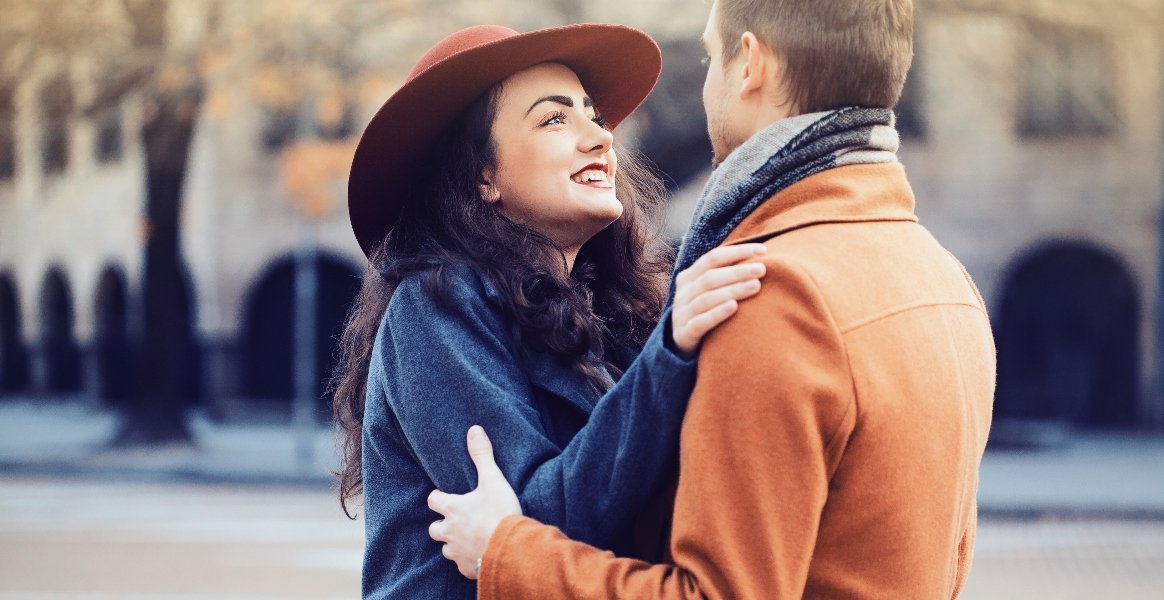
pixel 587 176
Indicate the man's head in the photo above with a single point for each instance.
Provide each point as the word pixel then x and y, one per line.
pixel 770 59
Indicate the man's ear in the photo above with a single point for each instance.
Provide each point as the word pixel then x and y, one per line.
pixel 487 189
pixel 757 64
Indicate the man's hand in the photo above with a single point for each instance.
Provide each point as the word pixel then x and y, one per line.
pixel 708 292
pixel 470 519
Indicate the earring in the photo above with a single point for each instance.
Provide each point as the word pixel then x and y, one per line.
pixel 489 193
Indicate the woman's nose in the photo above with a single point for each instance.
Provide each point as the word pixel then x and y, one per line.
pixel 596 137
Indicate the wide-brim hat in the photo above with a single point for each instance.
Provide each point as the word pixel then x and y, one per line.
pixel 617 65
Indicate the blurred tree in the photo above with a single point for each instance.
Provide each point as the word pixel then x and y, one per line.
pixel 310 66
pixel 172 91
pixel 129 44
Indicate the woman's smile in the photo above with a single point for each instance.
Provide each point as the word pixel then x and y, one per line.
pixel 594 175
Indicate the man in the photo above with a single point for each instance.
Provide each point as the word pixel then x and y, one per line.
pixel 832 443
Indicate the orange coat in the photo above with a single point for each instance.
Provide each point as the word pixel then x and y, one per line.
pixel 832 443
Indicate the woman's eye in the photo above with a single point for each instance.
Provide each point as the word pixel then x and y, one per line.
pixel 600 120
pixel 555 119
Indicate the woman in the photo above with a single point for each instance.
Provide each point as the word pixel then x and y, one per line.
pixel 513 278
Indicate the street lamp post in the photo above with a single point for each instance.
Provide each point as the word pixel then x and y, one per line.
pixel 305 347
pixel 313 172
pixel 1155 413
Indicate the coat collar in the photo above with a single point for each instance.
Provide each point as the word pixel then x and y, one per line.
pixel 848 194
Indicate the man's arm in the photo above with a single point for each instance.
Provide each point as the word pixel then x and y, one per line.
pixel 771 412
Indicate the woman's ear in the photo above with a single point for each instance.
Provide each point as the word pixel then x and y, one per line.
pixel 487 189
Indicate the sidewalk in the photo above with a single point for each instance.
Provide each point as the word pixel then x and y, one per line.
pixel 1104 475
pixel 1084 475
pixel 70 439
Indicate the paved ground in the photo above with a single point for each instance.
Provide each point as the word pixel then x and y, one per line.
pixel 71 540
pixel 71 439
pixel 86 540
pixel 241 514
pixel 1091 474
pixel 1068 560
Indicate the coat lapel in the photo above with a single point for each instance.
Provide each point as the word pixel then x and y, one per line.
pixel 561 381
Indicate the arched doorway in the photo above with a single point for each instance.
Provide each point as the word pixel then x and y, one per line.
pixel 1068 339
pixel 111 347
pixel 268 337
pixel 59 355
pixel 13 355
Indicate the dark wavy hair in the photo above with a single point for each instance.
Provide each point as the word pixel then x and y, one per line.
pixel 612 297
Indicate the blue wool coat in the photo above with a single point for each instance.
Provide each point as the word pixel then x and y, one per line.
pixel 585 462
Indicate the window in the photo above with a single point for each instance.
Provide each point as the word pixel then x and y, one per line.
pixel 1067 84
pixel 278 127
pixel 56 100
pixel 333 117
pixel 330 118
pixel 7 136
pixel 109 145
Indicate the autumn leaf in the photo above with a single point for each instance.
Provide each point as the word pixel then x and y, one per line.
pixel 313 173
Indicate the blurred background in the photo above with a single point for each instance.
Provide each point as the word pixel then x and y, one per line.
pixel 176 263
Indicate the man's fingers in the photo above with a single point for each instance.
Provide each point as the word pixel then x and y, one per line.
pixel 436 531
pixel 700 325
pixel 711 299
pixel 723 276
pixel 480 451
pixel 727 255
pixel 438 501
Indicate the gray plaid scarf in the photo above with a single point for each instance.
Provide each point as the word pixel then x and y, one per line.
pixel 780 155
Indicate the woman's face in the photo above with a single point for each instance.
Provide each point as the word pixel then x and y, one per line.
pixel 555 166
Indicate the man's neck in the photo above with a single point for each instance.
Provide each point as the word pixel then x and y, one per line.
pixel 767 111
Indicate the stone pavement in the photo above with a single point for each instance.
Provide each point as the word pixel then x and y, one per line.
pixel 240 516
pixel 71 439
pixel 1082 475
pixel 70 539
pixel 95 539
pixel 1067 560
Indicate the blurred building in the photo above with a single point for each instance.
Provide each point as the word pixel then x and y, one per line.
pixel 1036 155
pixel 1031 132
pixel 1033 137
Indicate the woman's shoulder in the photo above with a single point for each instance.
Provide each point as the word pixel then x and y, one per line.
pixel 441 287
pixel 441 316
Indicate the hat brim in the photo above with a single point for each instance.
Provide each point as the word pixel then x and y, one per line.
pixel 617 65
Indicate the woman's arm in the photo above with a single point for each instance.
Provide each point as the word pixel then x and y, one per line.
pixel 448 367
pixel 616 462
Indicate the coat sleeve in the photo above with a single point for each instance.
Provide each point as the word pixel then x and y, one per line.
pixel 448 366
pixel 765 427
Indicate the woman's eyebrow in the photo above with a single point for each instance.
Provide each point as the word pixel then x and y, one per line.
pixel 563 100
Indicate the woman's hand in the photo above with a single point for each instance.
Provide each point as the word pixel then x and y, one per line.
pixel 709 291
pixel 470 519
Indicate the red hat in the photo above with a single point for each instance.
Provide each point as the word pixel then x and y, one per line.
pixel 617 65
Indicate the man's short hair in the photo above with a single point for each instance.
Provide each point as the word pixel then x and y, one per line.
pixel 837 52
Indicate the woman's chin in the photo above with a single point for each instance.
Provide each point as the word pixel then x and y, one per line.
pixel 601 219
pixel 604 215
pixel 608 208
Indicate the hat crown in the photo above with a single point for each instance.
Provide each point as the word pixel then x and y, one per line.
pixel 457 42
